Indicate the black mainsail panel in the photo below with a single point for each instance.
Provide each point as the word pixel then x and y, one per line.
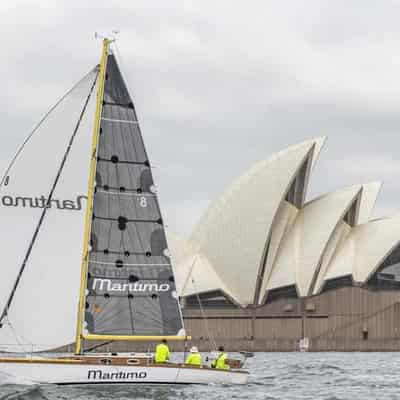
pixel 130 282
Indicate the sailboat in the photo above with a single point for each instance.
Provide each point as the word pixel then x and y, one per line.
pixel 84 173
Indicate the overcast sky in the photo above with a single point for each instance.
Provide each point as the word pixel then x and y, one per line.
pixel 219 85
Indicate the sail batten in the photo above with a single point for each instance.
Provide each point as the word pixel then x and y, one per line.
pixel 122 121
pixel 130 289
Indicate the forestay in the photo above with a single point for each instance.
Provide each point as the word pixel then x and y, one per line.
pixel 43 313
pixel 130 283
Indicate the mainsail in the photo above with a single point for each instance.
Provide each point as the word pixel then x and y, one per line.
pixel 130 288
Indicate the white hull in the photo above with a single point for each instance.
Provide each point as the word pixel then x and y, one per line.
pixel 70 374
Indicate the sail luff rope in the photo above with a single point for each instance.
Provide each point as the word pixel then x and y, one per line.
pixel 39 124
pixel 44 212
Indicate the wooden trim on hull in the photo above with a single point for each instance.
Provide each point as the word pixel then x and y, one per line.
pixel 128 383
pixel 39 361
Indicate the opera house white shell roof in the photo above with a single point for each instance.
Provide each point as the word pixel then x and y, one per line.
pixel 260 235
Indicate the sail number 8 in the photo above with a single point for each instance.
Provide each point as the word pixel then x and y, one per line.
pixel 143 202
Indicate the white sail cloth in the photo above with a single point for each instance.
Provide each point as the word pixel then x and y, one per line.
pixel 43 313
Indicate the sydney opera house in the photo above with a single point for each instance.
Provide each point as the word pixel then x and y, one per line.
pixel 267 266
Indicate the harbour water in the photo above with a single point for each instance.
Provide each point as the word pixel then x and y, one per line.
pixel 287 376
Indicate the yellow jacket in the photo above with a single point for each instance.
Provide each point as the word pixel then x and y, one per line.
pixel 219 363
pixel 162 353
pixel 193 359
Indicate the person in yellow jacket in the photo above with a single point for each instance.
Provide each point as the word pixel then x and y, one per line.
pixel 162 352
pixel 220 362
pixel 194 357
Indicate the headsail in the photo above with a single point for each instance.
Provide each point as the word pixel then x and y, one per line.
pixel 130 288
pixel 42 314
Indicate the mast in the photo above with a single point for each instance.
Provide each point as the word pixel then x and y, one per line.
pixel 89 206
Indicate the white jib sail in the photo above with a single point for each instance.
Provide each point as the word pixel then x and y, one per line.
pixel 43 312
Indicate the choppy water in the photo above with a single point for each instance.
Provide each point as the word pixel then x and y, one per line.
pixel 328 376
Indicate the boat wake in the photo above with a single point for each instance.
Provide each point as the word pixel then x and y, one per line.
pixel 7 379
pixel 21 392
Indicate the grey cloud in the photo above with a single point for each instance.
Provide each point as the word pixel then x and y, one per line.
pixel 219 86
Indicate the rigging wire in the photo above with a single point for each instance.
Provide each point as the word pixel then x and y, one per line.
pixel 16 336
pixel 203 314
pixel 44 212
pixel 39 124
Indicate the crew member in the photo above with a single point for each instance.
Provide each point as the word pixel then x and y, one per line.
pixel 220 362
pixel 162 352
pixel 194 357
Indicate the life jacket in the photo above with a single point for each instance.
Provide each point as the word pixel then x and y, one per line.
pixel 219 363
pixel 193 359
pixel 162 353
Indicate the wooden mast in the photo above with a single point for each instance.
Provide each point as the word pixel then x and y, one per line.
pixel 89 206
